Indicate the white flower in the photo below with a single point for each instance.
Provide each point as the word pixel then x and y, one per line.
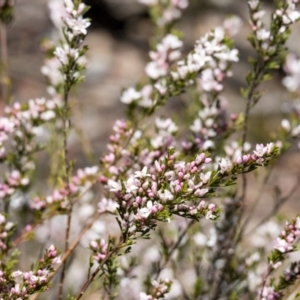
pixel 166 125
pixel 64 54
pixel 91 170
pixel 130 95
pixel 224 165
pixel 197 125
pixel 145 211
pixel 291 16
pixel 107 205
pixel 262 34
pixel 142 174
pixel 146 96
pixel 78 26
pixel 155 70
pixel 17 274
pixel 201 192
pixel 48 115
pixel 130 185
pixel 260 150
pixel 114 185
pixel 157 142
pixel 208 144
pixel 165 195
pixel 56 261
pixel 231 55
pixel 144 296
pixel 172 42
pixel 205 177
pixel 161 87
pixel 282 245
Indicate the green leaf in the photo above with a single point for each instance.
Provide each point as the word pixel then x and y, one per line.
pixel 266 77
pixel 273 65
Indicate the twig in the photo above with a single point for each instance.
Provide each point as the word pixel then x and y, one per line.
pixel 277 206
pixel 20 238
pixel 258 73
pixel 174 247
pixel 71 248
pixel 66 127
pixel 292 290
pixel 256 201
pixel 94 274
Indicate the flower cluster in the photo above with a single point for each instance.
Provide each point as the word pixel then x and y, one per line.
pixel 18 127
pixel 211 58
pixel 284 244
pixel 166 52
pixel 237 159
pixel 158 290
pixel 107 205
pixel 208 125
pixel 286 240
pixel 51 70
pixel 78 184
pixel 268 292
pixel 6 231
pixel 112 162
pixel 166 129
pixel 67 58
pixel 162 191
pixel 175 187
pixel 25 284
pixel 288 12
pixel 285 15
pixel 99 249
pixel 290 275
pixel 74 29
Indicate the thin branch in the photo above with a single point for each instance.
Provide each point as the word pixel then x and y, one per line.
pixel 94 274
pixel 174 247
pixel 256 201
pixel 71 248
pixel 292 290
pixel 258 74
pixel 66 128
pixel 277 206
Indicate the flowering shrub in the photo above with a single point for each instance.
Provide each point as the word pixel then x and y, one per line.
pixel 182 185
